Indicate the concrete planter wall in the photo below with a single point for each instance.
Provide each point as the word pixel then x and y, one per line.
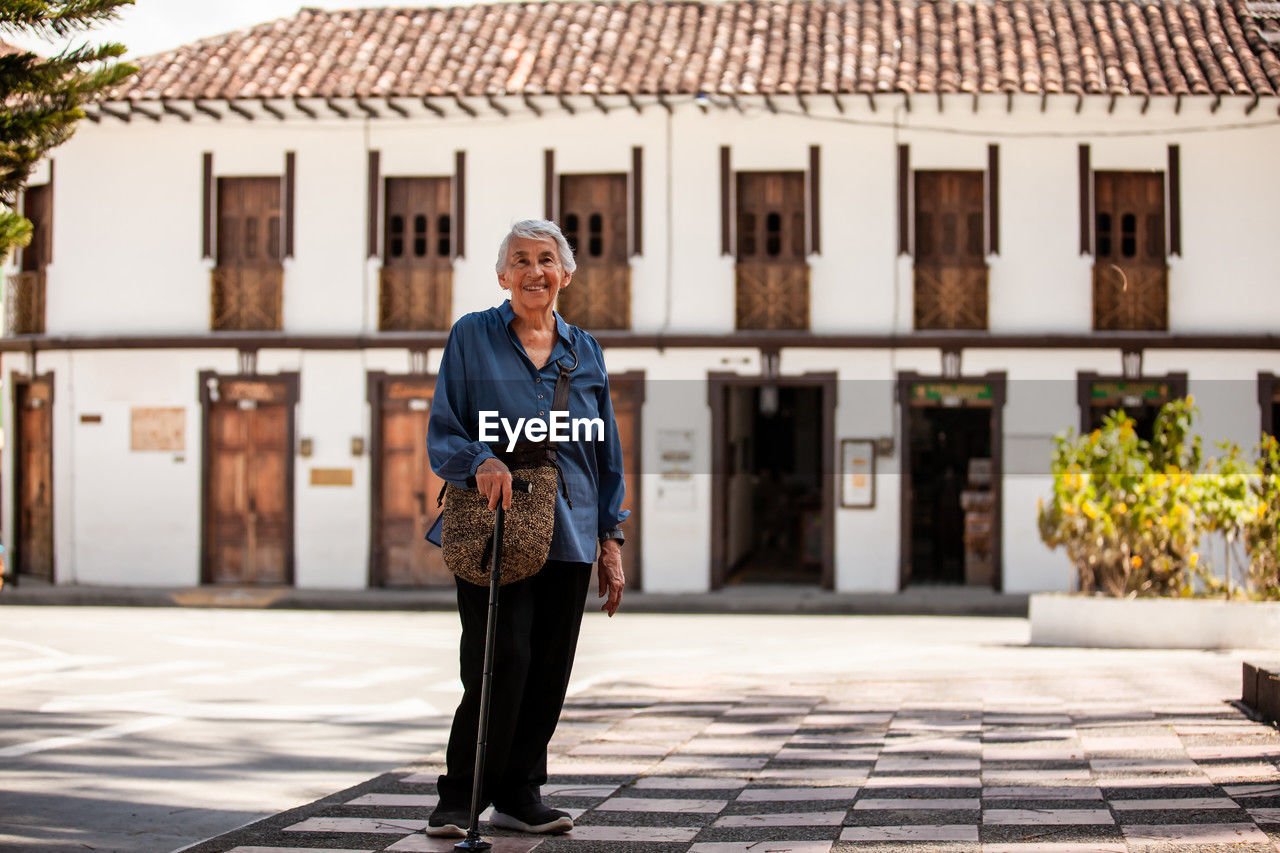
pixel 1153 623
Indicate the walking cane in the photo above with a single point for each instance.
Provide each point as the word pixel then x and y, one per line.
pixel 473 840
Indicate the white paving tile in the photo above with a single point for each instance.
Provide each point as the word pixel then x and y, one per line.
pixel 420 843
pixel 253 849
pixel 647 804
pixel 690 783
pixel 1227 752
pixel 792 753
pixel 1195 833
pixel 426 801
pixel 1047 817
pixel 1130 743
pixel 1265 816
pixel 1042 792
pixel 1257 790
pixel 799 793
pixel 613 747
pixel 910 833
pixel 631 833
pixel 993 776
pixel 935 765
pixel 948 781
pixel 761 847
pixel 1058 847
pixel 786 819
pixel 569 790
pixel 932 804
pixel 358 824
pixel 1175 804
pixel 1145 765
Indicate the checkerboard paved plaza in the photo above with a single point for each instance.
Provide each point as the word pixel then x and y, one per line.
pixel 1127 753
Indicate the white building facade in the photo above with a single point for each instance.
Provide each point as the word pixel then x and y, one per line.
pixel 844 323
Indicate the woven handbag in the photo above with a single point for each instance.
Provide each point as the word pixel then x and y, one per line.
pixel 466 529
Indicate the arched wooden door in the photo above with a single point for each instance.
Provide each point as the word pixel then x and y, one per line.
pixel 405 487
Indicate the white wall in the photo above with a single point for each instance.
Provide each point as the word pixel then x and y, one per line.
pixel 127 261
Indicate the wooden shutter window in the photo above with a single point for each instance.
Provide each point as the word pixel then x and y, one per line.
pixel 594 214
pixel 248 280
pixel 772 277
pixel 950 242
pixel 416 281
pixel 1130 273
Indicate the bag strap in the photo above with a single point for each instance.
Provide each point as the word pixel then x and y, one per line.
pixel 560 399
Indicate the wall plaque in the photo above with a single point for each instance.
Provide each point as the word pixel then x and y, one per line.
pixel 158 428
pixel 333 476
pixel 858 473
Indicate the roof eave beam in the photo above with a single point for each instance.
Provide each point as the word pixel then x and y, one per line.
pixel 239 110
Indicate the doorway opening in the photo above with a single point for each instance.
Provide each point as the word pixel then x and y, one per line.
pixel 951 478
pixel 774 500
pixel 1140 399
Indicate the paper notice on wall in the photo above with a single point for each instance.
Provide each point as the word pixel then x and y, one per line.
pixel 162 429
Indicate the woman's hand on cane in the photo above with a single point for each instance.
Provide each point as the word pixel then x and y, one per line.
pixel 493 480
pixel 612 579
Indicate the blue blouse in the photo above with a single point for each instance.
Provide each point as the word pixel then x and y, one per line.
pixel 485 369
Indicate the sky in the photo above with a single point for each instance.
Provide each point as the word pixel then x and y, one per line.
pixel 153 26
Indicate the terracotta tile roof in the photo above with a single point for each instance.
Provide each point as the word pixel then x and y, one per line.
pixel 1123 47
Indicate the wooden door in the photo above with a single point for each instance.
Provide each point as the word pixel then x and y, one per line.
pixel 1130 274
pixel 593 214
pixel 772 275
pixel 406 489
pixel 417 255
pixel 248 282
pixel 34 478
pixel 627 394
pixel 950 262
pixel 249 502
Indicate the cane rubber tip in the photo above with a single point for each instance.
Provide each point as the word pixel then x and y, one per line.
pixel 476 844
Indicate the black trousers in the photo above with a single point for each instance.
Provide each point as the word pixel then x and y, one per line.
pixel 536 637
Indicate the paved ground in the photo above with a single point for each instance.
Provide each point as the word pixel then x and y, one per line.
pixel 1109 760
pixel 684 733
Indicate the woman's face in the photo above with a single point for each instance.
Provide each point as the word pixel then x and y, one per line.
pixel 533 274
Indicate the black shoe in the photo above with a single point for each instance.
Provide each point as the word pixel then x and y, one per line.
pixel 533 817
pixel 446 822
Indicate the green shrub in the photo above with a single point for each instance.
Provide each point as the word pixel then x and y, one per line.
pixel 1132 513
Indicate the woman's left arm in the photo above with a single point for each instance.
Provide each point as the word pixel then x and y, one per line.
pixel 610 490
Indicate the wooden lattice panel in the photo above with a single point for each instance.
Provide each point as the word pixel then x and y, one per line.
pixel 1130 298
pixel 950 297
pixel 247 299
pixel 415 299
pixel 773 296
pixel 24 313
pixel 598 297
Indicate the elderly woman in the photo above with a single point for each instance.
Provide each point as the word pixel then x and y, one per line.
pixel 507 360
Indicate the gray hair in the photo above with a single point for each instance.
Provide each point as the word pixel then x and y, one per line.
pixel 537 229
